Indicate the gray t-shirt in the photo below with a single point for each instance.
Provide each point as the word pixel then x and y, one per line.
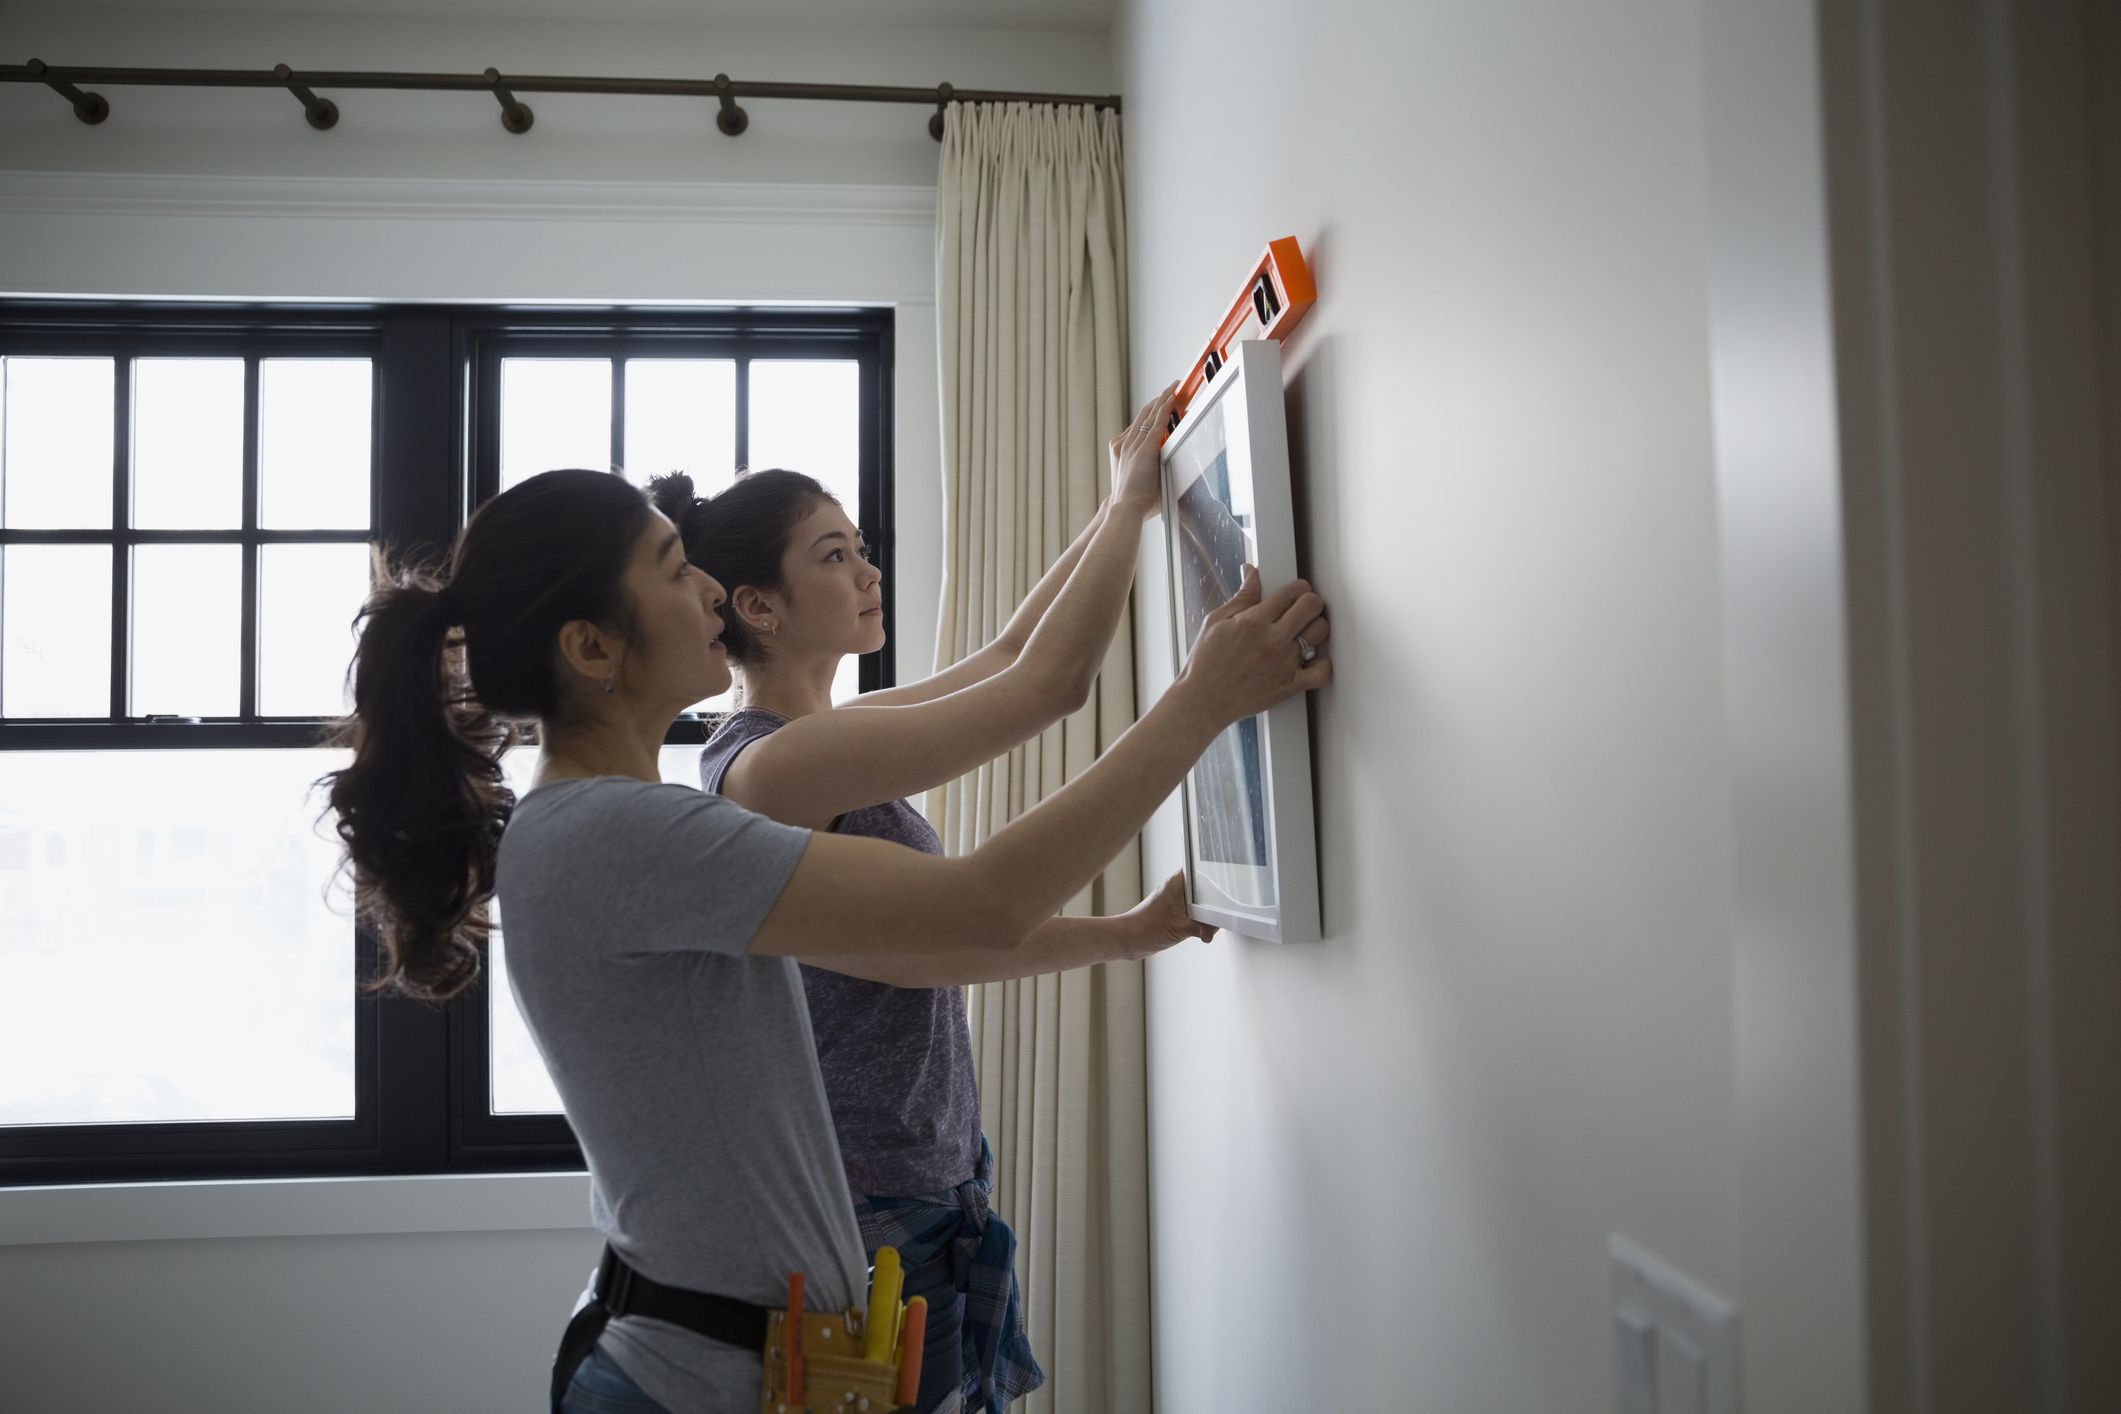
pixel 897 1061
pixel 686 1067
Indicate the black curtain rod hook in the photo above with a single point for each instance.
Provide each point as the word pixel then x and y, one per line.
pixel 321 112
pixel 942 101
pixel 90 108
pixel 515 116
pixel 732 119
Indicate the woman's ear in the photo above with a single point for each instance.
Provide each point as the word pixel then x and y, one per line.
pixel 588 652
pixel 755 609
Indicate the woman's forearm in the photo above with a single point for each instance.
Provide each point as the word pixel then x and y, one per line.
pixel 1061 944
pixel 1024 622
pixel 1068 646
pixel 1056 945
pixel 1026 870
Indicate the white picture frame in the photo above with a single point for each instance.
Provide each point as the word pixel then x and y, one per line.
pixel 1251 850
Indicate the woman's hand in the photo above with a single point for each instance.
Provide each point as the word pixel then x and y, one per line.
pixel 1163 919
pixel 1137 458
pixel 1247 657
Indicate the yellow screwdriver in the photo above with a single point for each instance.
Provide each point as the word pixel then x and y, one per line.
pixel 881 1331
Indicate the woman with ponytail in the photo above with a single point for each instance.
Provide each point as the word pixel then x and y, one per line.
pixel 893 1046
pixel 652 929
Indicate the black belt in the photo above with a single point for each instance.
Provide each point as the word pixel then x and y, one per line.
pixel 622 1291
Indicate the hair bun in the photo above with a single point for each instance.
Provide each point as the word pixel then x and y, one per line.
pixel 673 495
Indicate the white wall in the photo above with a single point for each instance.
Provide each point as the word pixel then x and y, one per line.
pixel 355 1294
pixel 1718 833
pixel 1385 1168
pixel 425 197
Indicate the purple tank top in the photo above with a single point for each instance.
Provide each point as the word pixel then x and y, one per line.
pixel 897 1061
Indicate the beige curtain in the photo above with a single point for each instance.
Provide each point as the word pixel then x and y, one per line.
pixel 1032 314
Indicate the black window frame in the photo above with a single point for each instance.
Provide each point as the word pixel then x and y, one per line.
pixel 422 1073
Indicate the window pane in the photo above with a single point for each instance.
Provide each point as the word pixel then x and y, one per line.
pixel 169 953
pixel 520 1084
pixel 555 412
pixel 55 631
pixel 307 598
pixel 55 456
pixel 681 416
pixel 805 416
pixel 188 443
pixel 187 629
pixel 314 424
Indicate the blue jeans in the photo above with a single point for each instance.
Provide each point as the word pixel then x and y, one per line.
pixel 943 1351
pixel 601 1387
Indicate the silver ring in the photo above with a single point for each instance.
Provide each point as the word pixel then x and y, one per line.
pixel 1304 650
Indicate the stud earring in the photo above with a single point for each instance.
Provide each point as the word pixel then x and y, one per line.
pixel 610 687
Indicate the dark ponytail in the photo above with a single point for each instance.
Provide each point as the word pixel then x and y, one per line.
pixel 448 666
pixel 740 536
pixel 421 808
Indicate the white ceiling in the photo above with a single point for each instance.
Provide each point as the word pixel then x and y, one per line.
pixel 999 14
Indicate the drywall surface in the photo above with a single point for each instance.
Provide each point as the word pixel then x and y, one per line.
pixel 1385 1167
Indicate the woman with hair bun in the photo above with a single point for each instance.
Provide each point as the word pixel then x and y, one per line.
pixel 893 1044
pixel 652 929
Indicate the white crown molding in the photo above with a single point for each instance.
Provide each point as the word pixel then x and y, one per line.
pixel 397 198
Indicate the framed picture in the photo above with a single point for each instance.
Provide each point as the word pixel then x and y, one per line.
pixel 1251 852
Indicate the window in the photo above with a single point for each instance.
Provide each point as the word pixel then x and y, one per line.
pixel 188 496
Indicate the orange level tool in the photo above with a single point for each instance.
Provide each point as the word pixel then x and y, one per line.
pixel 1273 298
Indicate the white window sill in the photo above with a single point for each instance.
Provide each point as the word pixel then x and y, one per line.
pixel 298 1207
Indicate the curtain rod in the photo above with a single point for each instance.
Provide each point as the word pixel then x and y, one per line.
pixel 516 117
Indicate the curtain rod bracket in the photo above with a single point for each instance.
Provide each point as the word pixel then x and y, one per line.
pixel 942 101
pixel 515 115
pixel 732 120
pixel 90 108
pixel 323 114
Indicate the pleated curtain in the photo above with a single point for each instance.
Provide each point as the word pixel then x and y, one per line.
pixel 1032 317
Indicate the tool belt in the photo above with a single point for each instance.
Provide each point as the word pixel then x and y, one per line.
pixel 868 1361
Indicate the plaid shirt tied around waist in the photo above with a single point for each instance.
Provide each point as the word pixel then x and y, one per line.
pixel 999 1366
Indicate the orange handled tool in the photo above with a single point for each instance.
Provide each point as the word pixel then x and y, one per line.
pixel 911 1335
pixel 795 1337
